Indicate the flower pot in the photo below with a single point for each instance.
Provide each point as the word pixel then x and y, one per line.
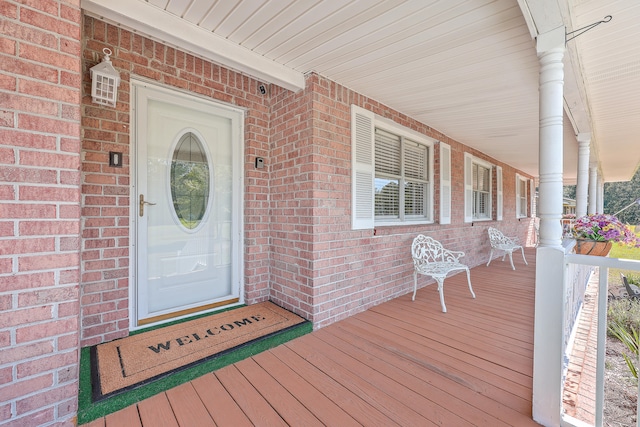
pixel 592 247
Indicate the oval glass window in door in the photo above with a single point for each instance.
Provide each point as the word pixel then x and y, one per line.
pixel 190 181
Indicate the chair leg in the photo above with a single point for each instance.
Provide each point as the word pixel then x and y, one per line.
pixel 523 258
pixel 469 282
pixel 441 292
pixel 415 285
pixel 511 260
pixel 490 257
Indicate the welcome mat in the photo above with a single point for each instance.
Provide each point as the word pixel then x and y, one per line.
pixel 128 362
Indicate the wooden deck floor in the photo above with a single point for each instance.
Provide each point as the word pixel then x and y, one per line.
pixel 401 363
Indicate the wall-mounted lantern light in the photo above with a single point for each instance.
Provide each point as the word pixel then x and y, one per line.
pixel 104 81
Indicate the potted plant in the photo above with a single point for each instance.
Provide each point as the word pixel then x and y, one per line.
pixel 596 233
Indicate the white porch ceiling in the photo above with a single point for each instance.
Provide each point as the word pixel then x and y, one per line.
pixel 466 68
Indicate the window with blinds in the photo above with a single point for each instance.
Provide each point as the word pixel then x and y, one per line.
pixel 481 191
pixel 401 177
pixel 521 196
pixel 478 194
pixel 392 173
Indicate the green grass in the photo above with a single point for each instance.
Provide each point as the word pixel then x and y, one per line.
pixel 622 252
pixel 89 411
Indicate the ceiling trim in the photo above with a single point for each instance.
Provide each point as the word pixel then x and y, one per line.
pixel 151 21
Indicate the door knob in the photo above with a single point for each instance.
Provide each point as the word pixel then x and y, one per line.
pixel 142 203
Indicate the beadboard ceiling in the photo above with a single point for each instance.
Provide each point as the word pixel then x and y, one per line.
pixel 466 68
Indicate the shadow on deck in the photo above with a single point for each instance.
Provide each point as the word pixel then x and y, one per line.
pixel 399 363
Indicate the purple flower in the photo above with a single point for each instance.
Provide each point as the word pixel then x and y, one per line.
pixel 604 228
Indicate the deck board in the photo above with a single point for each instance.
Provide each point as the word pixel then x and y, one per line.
pixel 156 411
pixel 326 410
pixel 402 363
pixel 363 411
pixel 220 405
pixel 188 408
pixel 125 417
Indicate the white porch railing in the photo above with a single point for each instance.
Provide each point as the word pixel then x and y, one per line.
pixel 574 281
pixel 577 279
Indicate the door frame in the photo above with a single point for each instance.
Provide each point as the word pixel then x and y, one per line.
pixel 238 188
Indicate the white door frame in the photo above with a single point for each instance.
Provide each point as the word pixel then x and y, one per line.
pixel 238 188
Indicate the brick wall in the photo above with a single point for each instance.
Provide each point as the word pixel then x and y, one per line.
pixel 105 190
pixel 39 211
pixel 300 250
pixel 321 268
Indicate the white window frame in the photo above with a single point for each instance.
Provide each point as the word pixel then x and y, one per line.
pixel 363 125
pixel 522 210
pixel 469 214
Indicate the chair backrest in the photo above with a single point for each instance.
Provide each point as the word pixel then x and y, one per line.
pixel 497 238
pixel 426 249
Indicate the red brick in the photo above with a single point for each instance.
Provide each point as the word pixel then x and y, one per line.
pixel 29 34
pixel 5 339
pixel 8 9
pixel 48 228
pixel 27 210
pixel 48 125
pixel 7 47
pixel 24 352
pixel 70 178
pixel 28 103
pixel 69 276
pixel 17 138
pixel 25 246
pixel 31 175
pixel 51 160
pixel 21 388
pixel 25 316
pixel 69 211
pixel 29 69
pixel 48 6
pixel 40 418
pixel 45 364
pixel 45 330
pixel 6 375
pixel 50 23
pixel 47 296
pixel 71 308
pixel 47 262
pixel 68 342
pixel 50 92
pixel 43 194
pixel 7 155
pixel 7 118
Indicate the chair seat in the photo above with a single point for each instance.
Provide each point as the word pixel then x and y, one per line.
pixel 441 268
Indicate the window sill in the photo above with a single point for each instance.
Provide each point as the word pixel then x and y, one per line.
pixel 400 223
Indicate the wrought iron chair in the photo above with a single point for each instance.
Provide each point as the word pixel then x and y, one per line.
pixel 431 259
pixel 633 291
pixel 503 243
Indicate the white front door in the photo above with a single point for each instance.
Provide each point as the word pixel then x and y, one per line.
pixel 187 203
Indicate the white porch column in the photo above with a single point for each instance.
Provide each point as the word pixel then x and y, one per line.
pixel 593 189
pixel 600 204
pixel 550 53
pixel 547 349
pixel 582 184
